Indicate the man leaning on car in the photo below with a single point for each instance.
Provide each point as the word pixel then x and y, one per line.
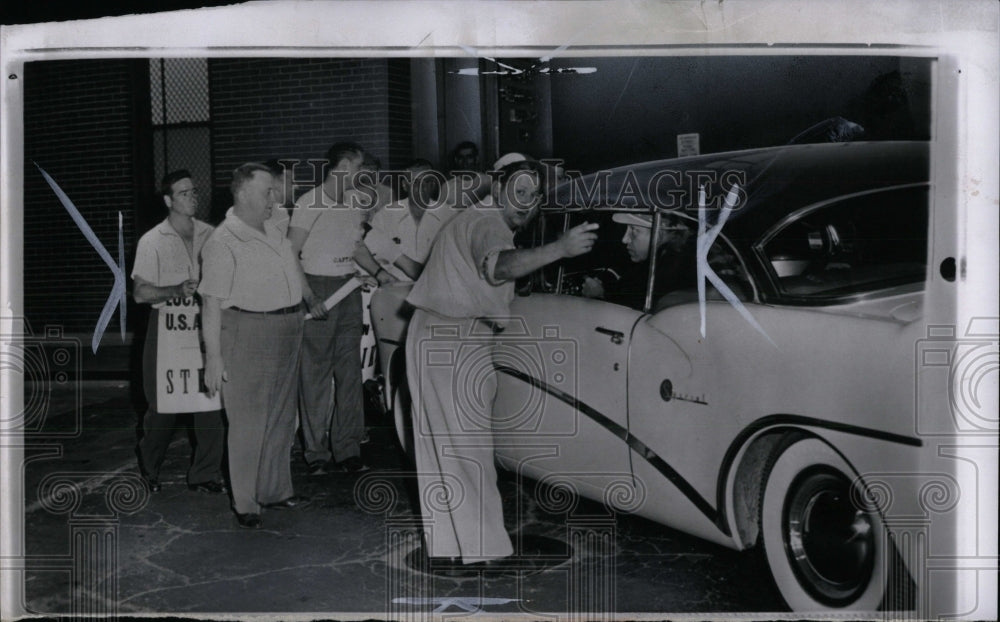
pixel 467 287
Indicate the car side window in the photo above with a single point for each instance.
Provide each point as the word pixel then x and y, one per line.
pixel 609 273
pixel 676 279
pixel 567 275
pixel 606 261
pixel 856 245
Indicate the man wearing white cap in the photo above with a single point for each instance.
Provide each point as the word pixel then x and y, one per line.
pixel 457 194
pixel 463 298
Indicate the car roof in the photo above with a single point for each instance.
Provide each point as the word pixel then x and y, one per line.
pixel 778 180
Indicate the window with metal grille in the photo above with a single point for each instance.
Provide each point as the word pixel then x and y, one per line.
pixel 181 122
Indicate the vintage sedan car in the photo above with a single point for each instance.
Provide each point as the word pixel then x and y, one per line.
pixel 757 416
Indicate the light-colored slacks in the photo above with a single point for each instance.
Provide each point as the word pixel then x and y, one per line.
pixel 261 354
pixel 460 503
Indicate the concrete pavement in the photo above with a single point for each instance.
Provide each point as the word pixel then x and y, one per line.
pixel 353 552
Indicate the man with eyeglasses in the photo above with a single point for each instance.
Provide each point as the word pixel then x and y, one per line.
pixel 463 296
pixel 166 273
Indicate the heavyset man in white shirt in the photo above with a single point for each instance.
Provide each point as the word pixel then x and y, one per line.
pixel 252 290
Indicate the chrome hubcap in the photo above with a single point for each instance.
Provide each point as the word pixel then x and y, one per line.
pixel 829 542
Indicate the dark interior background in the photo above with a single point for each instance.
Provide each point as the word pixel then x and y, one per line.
pixel 107 130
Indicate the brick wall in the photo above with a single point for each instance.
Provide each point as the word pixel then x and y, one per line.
pixel 399 112
pixel 297 108
pixel 87 124
pixel 79 127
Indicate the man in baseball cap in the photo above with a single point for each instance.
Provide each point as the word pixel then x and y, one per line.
pixel 675 261
pixel 673 234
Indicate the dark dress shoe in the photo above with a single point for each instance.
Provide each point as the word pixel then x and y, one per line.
pixel 153 483
pixel 352 465
pixel 454 568
pixel 295 501
pixel 214 488
pixel 249 521
pixel 319 468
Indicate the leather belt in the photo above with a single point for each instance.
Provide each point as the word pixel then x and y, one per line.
pixel 285 311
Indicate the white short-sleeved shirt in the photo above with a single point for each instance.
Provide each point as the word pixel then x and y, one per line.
pixel 431 223
pixel 396 222
pixel 454 281
pixel 334 232
pixel 248 269
pixel 162 257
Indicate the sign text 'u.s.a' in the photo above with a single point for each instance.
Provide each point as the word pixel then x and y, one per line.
pixel 180 367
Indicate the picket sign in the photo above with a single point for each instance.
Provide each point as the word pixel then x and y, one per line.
pixel 180 368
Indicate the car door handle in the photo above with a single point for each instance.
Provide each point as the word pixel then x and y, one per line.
pixel 617 336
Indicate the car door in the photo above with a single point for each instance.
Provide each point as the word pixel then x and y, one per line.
pixel 578 393
pixel 561 411
pixel 679 429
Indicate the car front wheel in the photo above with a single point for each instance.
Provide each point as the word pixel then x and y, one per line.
pixel 825 549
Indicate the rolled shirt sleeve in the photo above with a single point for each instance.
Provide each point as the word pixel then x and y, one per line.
pixel 454 282
pixel 146 261
pixel 218 269
pixel 488 238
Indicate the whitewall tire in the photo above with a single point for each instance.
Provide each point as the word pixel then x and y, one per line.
pixel 824 552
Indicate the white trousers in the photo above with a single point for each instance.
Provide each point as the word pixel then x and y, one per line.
pixel 453 384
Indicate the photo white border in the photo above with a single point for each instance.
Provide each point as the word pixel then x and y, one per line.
pixel 963 35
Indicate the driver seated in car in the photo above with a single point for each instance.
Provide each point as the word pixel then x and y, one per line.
pixel 675 261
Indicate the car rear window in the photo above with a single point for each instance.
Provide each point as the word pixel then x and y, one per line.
pixel 855 245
